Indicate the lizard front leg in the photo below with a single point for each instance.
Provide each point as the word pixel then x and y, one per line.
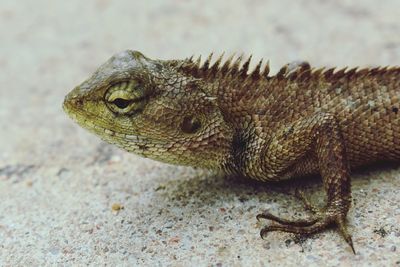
pixel 320 138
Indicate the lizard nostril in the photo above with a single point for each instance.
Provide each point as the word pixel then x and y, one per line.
pixel 73 101
pixel 78 102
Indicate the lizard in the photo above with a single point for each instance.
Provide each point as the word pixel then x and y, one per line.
pixel 222 115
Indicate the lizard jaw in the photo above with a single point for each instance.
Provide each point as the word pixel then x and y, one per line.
pixel 129 142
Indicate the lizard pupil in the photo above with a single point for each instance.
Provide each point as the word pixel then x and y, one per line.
pixel 190 125
pixel 121 103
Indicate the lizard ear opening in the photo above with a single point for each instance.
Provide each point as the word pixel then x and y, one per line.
pixel 190 124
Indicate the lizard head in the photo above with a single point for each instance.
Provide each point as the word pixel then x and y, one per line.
pixel 148 107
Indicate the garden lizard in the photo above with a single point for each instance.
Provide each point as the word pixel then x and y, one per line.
pixel 224 116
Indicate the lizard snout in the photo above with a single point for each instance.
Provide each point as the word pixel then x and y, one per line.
pixel 73 99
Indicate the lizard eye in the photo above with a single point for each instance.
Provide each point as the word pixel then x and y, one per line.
pixel 125 98
pixel 190 124
pixel 121 103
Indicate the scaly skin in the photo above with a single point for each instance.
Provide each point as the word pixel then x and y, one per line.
pixel 300 121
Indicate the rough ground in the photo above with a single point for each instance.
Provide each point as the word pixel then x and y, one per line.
pixel 60 187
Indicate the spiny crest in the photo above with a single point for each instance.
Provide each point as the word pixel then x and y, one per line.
pixel 333 75
pixel 304 73
pixel 229 67
pixel 239 70
pixel 345 73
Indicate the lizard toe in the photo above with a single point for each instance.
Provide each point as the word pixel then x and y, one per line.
pixel 300 222
pixel 316 223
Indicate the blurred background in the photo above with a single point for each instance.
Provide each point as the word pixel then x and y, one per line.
pixel 58 183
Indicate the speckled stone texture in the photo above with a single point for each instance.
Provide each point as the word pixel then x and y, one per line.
pixel 68 199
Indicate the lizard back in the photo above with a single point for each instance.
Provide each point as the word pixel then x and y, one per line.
pixel 366 104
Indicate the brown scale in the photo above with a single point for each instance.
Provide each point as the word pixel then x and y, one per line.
pixel 312 121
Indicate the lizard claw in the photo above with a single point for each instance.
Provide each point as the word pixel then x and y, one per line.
pixel 320 221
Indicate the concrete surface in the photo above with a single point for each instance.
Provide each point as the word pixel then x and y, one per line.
pixel 61 188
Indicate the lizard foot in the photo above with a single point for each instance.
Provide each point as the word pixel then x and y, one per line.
pixel 320 220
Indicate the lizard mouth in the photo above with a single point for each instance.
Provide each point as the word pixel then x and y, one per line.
pixel 127 141
pixel 85 119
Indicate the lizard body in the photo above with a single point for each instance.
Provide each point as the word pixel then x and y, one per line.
pixel 267 127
